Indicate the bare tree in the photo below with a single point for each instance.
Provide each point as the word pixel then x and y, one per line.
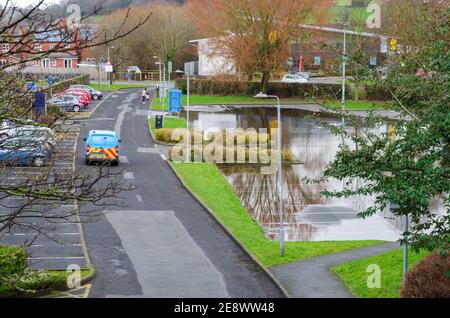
pixel 31 197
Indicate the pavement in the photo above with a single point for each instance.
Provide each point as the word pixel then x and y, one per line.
pixel 158 241
pixel 311 278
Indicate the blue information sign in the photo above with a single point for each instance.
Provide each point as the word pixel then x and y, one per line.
pixel 50 80
pixel 40 106
pixel 31 87
pixel 174 101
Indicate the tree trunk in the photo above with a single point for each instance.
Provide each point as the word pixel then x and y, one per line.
pixel 265 82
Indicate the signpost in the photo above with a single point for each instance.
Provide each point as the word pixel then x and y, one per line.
pixel 50 81
pixel 174 101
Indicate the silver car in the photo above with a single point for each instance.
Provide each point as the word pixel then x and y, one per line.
pixel 69 103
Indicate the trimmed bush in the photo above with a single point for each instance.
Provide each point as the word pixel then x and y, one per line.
pixel 428 279
pixel 13 262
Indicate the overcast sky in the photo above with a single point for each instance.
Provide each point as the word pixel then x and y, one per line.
pixel 24 3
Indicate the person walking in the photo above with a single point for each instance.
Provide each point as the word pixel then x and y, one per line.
pixel 144 95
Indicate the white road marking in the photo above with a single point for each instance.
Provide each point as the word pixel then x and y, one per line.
pixel 55 257
pixel 34 234
pixel 163 157
pixel 138 197
pixel 128 175
pixel 148 150
pixel 124 159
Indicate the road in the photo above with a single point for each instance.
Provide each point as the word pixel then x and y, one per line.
pixel 162 243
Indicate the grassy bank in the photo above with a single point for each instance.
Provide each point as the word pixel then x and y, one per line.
pixel 208 183
pixel 354 274
pixel 247 100
pixel 169 122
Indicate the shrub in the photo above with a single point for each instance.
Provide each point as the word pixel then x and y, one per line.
pixel 428 279
pixel 13 262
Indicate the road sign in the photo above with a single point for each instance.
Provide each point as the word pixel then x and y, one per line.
pixel 170 66
pixel 393 44
pixel 50 80
pixel 108 67
pixel 31 87
pixel 174 101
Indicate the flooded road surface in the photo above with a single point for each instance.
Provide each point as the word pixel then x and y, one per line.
pixel 308 216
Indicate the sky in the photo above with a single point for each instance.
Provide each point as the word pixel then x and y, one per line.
pixel 24 3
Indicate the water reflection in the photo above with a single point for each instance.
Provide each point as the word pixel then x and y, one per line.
pixel 307 215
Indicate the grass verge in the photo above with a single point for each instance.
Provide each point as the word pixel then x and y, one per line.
pixel 355 275
pixel 213 190
pixel 169 122
pixel 247 100
pixel 115 87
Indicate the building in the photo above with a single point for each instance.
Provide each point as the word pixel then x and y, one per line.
pixel 211 61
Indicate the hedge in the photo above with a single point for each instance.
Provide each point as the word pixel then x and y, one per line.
pixel 214 87
pixel 13 262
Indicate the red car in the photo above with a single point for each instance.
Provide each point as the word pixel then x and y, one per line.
pixel 85 92
pixel 81 95
pixel 81 98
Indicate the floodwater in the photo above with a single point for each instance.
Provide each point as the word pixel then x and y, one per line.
pixel 307 215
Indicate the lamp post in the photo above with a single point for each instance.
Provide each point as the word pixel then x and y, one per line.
pixel 159 60
pixel 344 62
pixel 109 74
pixel 162 89
pixel 280 167
pixel 188 139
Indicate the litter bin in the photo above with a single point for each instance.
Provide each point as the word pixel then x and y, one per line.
pixel 158 122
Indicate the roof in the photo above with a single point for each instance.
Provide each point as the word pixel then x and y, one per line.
pixel 102 132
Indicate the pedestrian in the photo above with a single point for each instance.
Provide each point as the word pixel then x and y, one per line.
pixel 144 95
pixel 147 97
pixel 157 90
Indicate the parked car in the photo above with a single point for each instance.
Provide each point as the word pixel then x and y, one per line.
pixel 294 79
pixel 84 100
pixel 305 75
pixel 35 134
pixel 7 127
pixel 17 151
pixel 102 146
pixel 69 103
pixel 95 94
pixel 79 90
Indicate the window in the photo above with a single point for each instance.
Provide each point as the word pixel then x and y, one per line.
pixel 5 47
pixel 52 47
pixel 38 47
pixel 53 62
pixel 3 62
pixel 67 63
pixel 37 62
pixel 46 63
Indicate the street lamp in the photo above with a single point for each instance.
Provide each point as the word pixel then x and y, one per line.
pixel 108 73
pixel 162 89
pixel 344 62
pixel 280 167
pixel 159 60
pixel 188 139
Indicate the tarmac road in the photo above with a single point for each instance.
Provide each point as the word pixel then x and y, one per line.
pixel 160 242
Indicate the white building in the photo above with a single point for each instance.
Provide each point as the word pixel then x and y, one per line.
pixel 210 61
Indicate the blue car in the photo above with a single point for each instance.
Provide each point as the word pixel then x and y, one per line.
pixel 102 146
pixel 17 151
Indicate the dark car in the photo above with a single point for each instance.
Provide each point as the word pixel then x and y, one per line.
pixel 17 151
pixel 69 103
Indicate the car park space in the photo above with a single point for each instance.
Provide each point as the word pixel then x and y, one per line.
pixel 49 230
